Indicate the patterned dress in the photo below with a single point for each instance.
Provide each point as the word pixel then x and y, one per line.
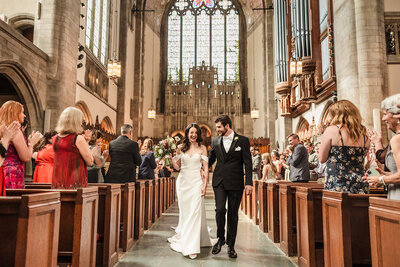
pixel 345 169
pixel 14 168
pixel 70 169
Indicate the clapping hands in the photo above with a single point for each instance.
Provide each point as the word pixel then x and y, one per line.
pixel 87 134
pixel 34 138
pixel 10 131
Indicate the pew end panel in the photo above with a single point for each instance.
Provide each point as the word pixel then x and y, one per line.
pixel 384 219
pixel 127 216
pixel 29 222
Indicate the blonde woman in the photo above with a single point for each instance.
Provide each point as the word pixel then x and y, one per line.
pixel 269 172
pixel 146 169
pixel 71 151
pixel 20 149
pixel 344 146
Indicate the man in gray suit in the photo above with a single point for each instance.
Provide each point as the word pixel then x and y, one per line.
pixel 298 160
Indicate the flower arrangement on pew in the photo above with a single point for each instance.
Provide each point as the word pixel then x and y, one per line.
pixel 165 149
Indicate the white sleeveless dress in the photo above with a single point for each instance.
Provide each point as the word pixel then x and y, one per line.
pixel 191 232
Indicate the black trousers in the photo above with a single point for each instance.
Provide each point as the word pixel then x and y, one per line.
pixel 234 198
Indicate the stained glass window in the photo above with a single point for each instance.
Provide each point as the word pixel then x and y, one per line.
pixel 203 30
pixel 97 18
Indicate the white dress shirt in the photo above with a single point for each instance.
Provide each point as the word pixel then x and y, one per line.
pixel 227 141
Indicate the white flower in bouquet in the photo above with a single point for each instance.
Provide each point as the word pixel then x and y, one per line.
pixel 160 151
pixel 173 146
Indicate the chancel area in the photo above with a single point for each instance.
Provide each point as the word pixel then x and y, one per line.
pixel 104 102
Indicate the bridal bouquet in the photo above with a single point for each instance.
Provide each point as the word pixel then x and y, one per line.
pixel 165 149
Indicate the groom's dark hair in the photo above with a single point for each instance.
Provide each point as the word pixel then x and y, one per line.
pixel 224 120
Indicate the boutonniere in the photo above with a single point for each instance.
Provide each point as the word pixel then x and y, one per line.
pixel 236 138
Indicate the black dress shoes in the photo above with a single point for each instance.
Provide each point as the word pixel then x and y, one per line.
pixel 217 247
pixel 232 253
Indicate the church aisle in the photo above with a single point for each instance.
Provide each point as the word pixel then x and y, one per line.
pixel 253 246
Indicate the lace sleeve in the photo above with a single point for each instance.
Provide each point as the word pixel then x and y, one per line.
pixel 177 157
pixel 204 158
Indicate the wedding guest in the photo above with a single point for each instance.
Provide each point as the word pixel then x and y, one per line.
pixel 71 151
pixel 146 169
pixel 20 148
pixel 44 159
pixel 164 170
pixel 124 154
pixel 256 160
pixel 280 169
pixel 298 160
pixel 391 155
pixel 95 174
pixel 344 145
pixel 7 134
pixel 269 172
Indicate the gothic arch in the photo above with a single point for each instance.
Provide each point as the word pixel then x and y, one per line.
pixel 106 125
pixel 178 132
pixel 323 119
pixel 23 23
pixel 25 88
pixel 302 128
pixel 86 112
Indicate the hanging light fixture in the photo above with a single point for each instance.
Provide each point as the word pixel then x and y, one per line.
pixel 151 113
pixel 114 65
pixel 296 67
pixel 255 112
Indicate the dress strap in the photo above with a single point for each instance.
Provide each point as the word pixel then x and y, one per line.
pixel 341 137
pixel 204 158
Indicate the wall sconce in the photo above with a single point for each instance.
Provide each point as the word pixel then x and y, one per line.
pixel 255 113
pixel 114 69
pixel 296 67
pixel 151 114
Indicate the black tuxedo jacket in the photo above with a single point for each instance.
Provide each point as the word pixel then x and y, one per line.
pixel 125 157
pixel 231 165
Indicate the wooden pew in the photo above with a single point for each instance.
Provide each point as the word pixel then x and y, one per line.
pixel 78 224
pixel 165 189
pixel 127 216
pixel 287 215
pixel 108 222
pixel 384 224
pixel 148 206
pixel 346 229
pixel 156 200
pixel 29 229
pixel 262 199
pixel 162 193
pixel 255 203
pixel 273 210
pixel 310 242
pixel 139 208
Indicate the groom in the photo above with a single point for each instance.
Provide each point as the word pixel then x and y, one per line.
pixel 232 152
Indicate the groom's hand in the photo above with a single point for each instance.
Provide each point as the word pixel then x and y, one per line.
pixel 248 189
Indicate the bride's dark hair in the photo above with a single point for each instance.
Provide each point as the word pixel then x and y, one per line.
pixel 186 142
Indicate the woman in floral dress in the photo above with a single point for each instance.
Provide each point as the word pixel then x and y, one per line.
pixel 344 146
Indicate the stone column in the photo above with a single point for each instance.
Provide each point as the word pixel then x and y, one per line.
pixel 346 60
pixel 57 34
pixel 369 20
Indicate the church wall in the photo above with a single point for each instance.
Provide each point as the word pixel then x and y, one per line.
pixel 148 127
pixel 255 70
pixel 393 70
pixel 20 7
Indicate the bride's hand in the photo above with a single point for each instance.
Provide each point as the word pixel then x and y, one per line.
pixel 203 191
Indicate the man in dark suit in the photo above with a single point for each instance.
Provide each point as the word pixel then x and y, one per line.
pixel 298 161
pixel 232 152
pixel 125 157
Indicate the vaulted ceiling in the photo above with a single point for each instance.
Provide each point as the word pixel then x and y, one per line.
pixel 247 6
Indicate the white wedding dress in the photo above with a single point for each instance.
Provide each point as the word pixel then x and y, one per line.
pixel 191 232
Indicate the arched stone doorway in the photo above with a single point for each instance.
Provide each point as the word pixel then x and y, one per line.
pixel 303 129
pixel 16 85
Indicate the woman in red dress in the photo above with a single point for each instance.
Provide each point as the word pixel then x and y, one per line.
pixel 71 151
pixel 44 158
pixel 7 134
pixel 19 149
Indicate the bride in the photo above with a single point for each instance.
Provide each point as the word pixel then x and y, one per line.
pixel 191 159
